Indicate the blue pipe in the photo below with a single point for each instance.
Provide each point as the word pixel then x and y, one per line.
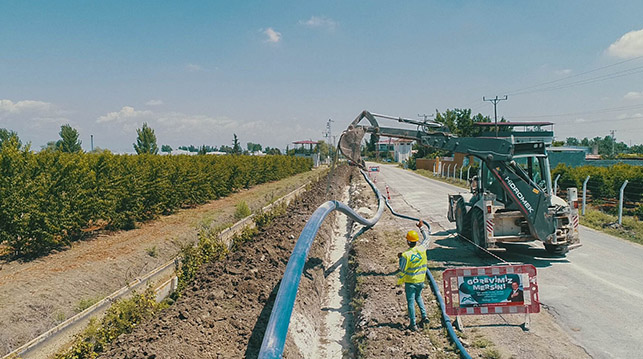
pixel 274 337
pixel 436 292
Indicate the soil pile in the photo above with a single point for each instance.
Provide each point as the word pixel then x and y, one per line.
pixel 225 312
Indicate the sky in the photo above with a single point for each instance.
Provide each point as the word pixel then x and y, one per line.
pixel 274 72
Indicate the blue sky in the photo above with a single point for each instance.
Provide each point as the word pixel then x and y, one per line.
pixel 274 71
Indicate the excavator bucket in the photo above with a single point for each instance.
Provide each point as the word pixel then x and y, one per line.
pixel 350 143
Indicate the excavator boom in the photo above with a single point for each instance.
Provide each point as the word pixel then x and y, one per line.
pixel 533 201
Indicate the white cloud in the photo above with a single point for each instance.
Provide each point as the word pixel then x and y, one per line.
pixel 563 72
pixel 154 103
pixel 580 120
pixel 319 22
pixel 627 116
pixel 169 122
pixel 273 36
pixel 8 107
pixel 193 123
pixel 193 68
pixel 32 114
pixel 628 46
pixel 633 95
pixel 126 114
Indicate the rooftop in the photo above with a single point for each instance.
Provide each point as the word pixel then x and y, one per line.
pixel 501 124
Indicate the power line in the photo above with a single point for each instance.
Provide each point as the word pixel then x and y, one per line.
pixel 514 92
pixel 611 76
pixel 600 120
pixel 598 111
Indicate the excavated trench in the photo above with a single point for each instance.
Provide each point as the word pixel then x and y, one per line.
pixel 224 313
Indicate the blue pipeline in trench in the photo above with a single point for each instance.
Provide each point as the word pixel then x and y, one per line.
pixel 274 337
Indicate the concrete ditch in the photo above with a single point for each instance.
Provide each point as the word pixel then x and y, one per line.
pixel 162 278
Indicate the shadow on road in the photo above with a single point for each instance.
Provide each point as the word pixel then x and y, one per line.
pixel 457 252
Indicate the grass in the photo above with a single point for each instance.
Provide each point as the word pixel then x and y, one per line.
pixel 481 342
pixel 152 251
pixel 491 353
pixel 241 210
pixel 59 316
pixel 86 303
pixel 631 229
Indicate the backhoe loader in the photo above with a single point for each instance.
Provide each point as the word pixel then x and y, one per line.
pixel 510 200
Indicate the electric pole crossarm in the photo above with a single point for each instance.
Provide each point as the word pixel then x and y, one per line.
pixel 495 101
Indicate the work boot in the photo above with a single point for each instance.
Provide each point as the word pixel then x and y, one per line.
pixel 424 322
pixel 412 328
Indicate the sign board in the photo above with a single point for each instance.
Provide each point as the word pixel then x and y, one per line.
pixel 509 289
pixel 374 168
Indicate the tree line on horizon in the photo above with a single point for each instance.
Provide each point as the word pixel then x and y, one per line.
pixel 146 143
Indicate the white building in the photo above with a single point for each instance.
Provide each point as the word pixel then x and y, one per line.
pixel 402 149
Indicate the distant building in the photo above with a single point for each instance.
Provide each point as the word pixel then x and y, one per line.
pixel 402 149
pixel 309 152
pixel 571 156
pixel 397 148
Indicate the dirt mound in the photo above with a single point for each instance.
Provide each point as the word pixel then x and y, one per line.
pixel 225 312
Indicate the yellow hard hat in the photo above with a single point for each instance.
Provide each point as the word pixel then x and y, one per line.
pixel 412 236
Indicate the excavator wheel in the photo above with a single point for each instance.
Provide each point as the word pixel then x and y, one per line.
pixel 478 231
pixel 557 250
pixel 462 221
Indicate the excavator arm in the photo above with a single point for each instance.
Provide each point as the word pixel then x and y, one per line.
pixel 532 201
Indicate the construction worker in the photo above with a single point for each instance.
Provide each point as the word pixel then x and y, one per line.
pixel 413 267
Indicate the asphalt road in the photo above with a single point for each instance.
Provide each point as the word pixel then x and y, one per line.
pixel 596 291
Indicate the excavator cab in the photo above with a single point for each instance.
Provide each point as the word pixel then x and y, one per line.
pixel 535 169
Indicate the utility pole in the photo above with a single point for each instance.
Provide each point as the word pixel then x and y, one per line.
pixel 328 133
pixel 495 112
pixel 425 117
pixel 92 142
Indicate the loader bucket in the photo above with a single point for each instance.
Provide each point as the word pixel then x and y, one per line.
pixel 350 143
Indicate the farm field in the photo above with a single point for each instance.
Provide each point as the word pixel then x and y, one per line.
pixel 37 295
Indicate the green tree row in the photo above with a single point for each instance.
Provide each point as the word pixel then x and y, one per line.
pixel 604 182
pixel 606 146
pixel 52 198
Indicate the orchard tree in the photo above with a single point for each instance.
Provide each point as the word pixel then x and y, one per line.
pixel 146 141
pixel 272 151
pixel 68 140
pixel 460 123
pixel 6 135
pixel 253 147
pixel 236 147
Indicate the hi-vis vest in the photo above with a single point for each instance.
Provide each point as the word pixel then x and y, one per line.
pixel 415 268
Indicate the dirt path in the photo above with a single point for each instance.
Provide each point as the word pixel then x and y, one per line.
pixel 37 295
pixel 224 313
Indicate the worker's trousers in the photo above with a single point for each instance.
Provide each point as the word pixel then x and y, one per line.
pixel 414 294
